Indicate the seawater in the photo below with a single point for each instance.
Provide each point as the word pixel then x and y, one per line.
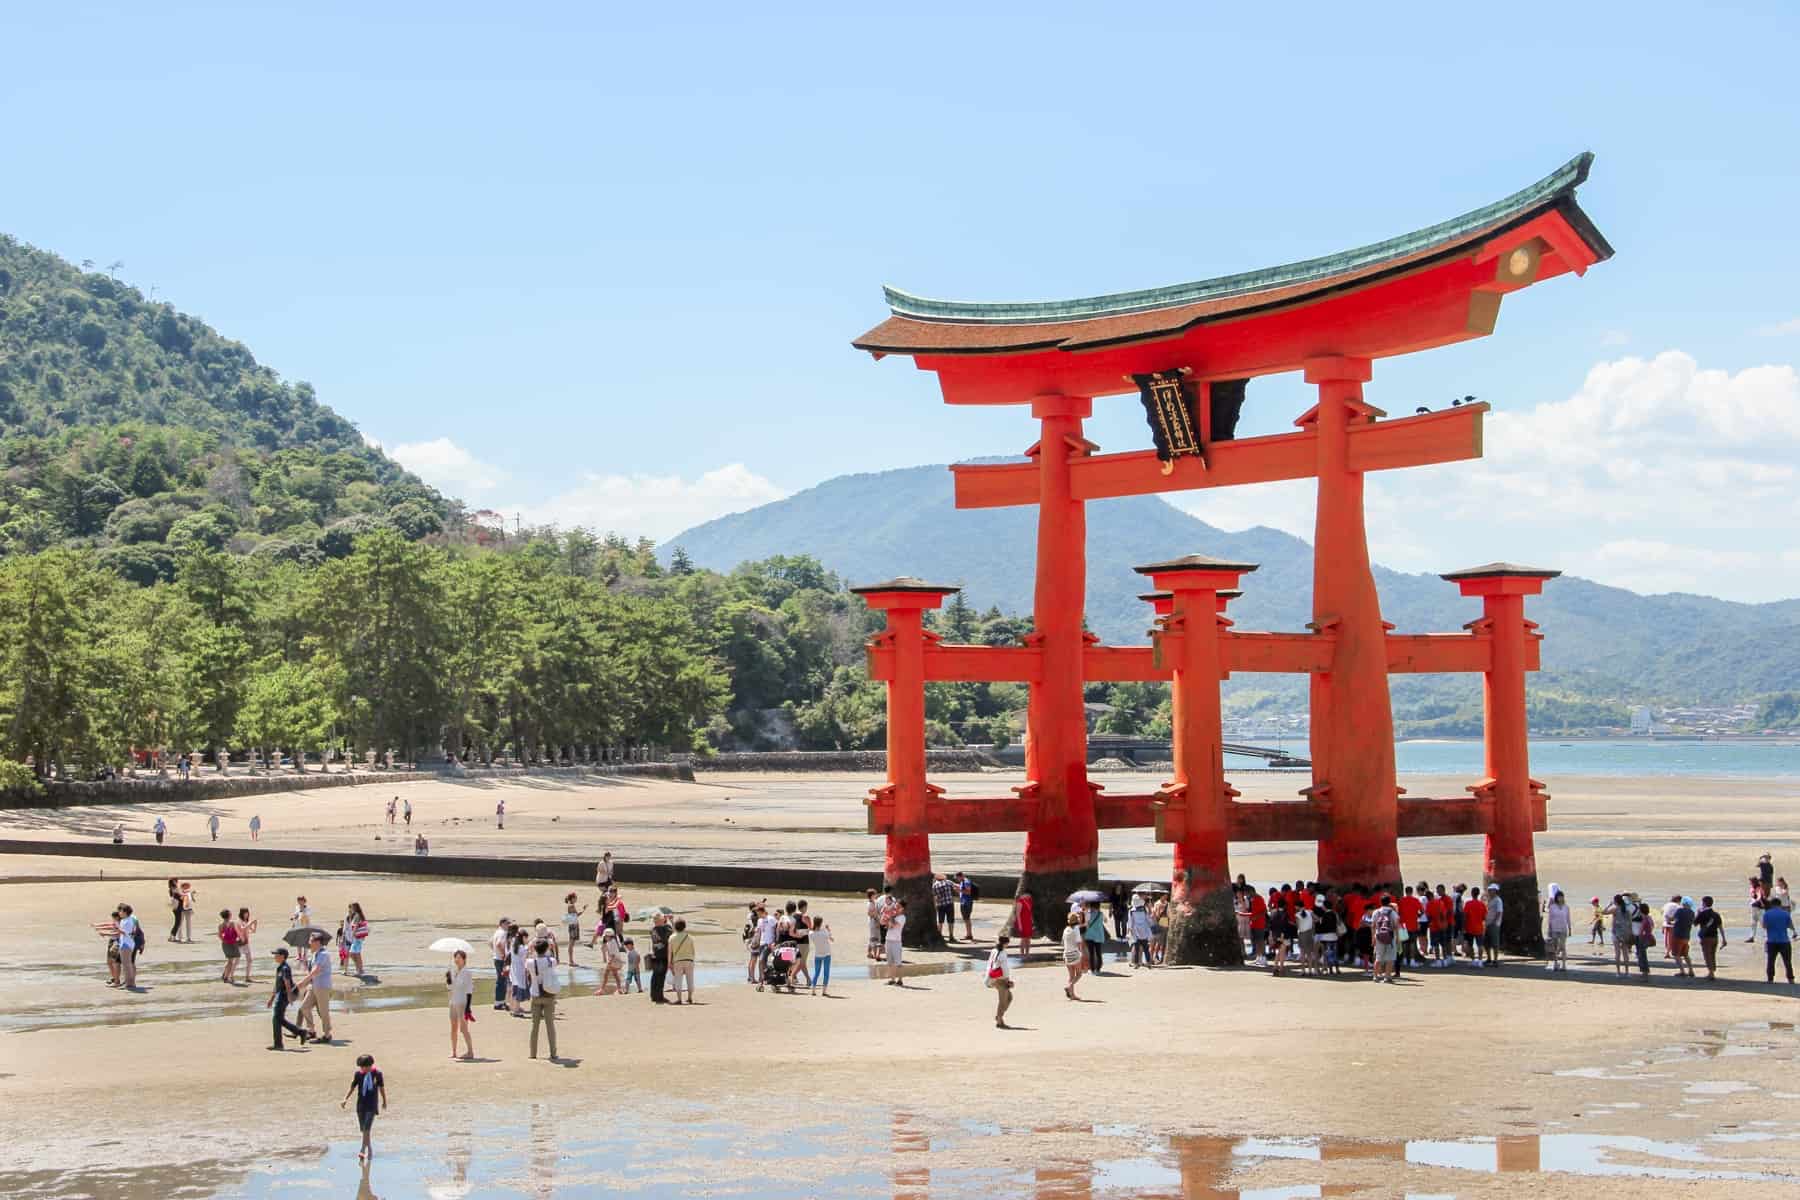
pixel 1772 759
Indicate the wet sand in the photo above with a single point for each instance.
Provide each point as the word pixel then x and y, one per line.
pixel 1208 1056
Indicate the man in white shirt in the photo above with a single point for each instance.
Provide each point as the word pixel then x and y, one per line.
pixel 212 823
pixel 540 969
pixel 315 993
pixel 159 829
pixel 499 943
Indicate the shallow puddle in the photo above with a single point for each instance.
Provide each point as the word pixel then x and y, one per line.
pixel 899 1154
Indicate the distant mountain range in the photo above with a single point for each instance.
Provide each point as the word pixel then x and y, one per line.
pixel 1602 641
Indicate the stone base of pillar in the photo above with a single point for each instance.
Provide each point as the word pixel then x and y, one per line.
pixel 1521 930
pixel 1050 892
pixel 1204 932
pixel 921 931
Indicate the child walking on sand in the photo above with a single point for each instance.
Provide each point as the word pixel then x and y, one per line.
pixel 370 1090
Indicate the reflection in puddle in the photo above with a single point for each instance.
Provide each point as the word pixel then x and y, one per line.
pixel 926 1158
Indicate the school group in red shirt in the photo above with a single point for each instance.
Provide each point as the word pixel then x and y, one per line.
pixel 1322 929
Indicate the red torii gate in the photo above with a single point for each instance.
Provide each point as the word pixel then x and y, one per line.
pixel 1329 318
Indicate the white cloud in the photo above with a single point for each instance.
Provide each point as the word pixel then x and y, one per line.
pixel 655 506
pixel 1780 328
pixel 1656 475
pixel 444 464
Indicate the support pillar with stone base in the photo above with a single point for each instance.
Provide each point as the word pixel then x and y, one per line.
pixel 1062 845
pixel 906 869
pixel 1510 856
pixel 1352 716
pixel 1192 811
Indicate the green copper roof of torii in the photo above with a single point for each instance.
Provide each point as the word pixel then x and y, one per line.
pixel 1551 188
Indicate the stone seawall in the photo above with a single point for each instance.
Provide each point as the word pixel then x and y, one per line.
pixel 873 761
pixel 755 882
pixel 214 787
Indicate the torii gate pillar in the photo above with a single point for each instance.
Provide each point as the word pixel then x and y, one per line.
pixel 1062 846
pixel 1352 716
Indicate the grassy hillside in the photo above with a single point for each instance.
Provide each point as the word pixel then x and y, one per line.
pixel 134 429
pixel 1603 641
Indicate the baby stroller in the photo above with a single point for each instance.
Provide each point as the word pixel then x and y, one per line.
pixel 779 966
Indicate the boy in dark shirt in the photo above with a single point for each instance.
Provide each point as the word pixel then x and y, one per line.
pixel 1681 929
pixel 370 1090
pixel 281 996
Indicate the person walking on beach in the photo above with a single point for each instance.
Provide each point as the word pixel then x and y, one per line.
pixel 999 977
pixel 1117 905
pixel 1022 924
pixel 820 942
pixel 1619 915
pixel 175 907
pixel 1759 895
pixel 1643 936
pixel 1139 927
pixel 246 925
pixel 876 933
pixel 1557 920
pixel 255 827
pixel 1074 953
pixel 500 813
pixel 1596 923
pixel 633 961
pixel 228 942
pixel 518 978
pixel 1765 873
pixel 110 931
pixel 406 811
pixel 500 944
pixel 315 994
pixel 131 941
pixel 159 829
pixel 189 894
pixel 1094 930
pixel 896 951
pixel 659 957
pixel 355 932
pixel 1710 927
pixel 943 900
pixel 966 892
pixel 541 969
pixel 681 961
pixel 1778 938
pixel 462 1000
pixel 612 963
pixel 572 924
pixel 370 1091
pixel 212 824
pixel 603 875
pixel 393 807
pixel 281 997
pixel 1681 929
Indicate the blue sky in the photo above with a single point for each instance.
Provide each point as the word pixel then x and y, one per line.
pixel 603 266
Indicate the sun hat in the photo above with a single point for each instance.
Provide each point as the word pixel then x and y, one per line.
pixel 1493 887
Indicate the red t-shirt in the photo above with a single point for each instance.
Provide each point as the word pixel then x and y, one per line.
pixel 1288 900
pixel 1409 911
pixel 1474 917
pixel 1307 899
pixel 1259 912
pixel 1353 909
pixel 1438 913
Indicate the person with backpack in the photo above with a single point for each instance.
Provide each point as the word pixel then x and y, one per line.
pixel 540 969
pixel 999 977
pixel 1384 927
pixel 131 944
pixel 967 893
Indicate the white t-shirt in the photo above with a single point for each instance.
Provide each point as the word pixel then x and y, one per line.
pixel 765 932
pixel 128 927
pixel 517 969
pixel 160 827
pixel 322 963
pixel 895 924
pixel 543 976
pixel 820 940
pixel 213 822
pixel 1669 911
pixel 1558 918
pixel 1000 960
pixel 462 986
pixel 301 916
pixel 497 943
pixel 1303 920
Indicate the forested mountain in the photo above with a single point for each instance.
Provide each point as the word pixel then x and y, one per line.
pixel 136 430
pixel 1603 642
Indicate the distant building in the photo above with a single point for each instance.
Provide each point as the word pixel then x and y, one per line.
pixel 1640 721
